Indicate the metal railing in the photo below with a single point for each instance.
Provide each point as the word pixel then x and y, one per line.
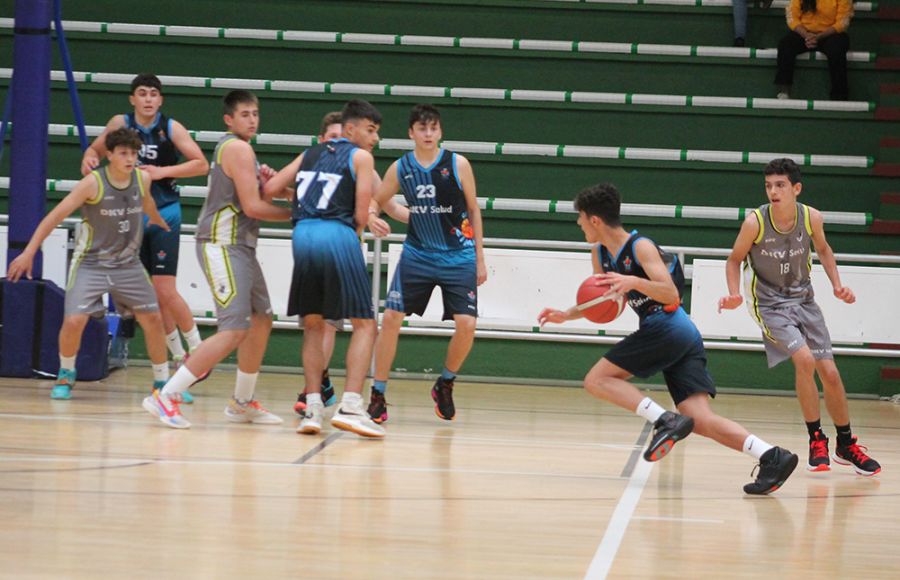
pixel 375 257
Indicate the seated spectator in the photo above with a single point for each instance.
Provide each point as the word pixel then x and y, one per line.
pixel 816 25
pixel 739 13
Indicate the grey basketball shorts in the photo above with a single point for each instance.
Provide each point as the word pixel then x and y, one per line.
pixel 129 286
pixel 237 283
pixel 790 327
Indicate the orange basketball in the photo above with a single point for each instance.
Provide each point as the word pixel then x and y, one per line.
pixel 594 305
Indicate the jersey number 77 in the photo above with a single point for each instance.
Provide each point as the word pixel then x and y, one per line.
pixel 330 181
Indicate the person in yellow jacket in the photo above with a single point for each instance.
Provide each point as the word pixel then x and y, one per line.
pixel 816 25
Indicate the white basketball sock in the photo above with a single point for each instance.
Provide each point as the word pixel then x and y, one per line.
pixel 173 341
pixel 67 362
pixel 313 398
pixel 351 398
pixel 649 410
pixel 755 447
pixel 180 382
pixel 161 371
pixel 244 386
pixel 193 338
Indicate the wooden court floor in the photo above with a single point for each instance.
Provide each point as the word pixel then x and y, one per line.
pixel 528 482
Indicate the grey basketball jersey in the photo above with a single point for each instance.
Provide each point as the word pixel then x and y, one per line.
pixel 221 220
pixel 112 223
pixel 779 263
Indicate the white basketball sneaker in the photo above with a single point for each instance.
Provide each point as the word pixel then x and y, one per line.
pixel 350 416
pixel 250 412
pixel 312 419
pixel 166 410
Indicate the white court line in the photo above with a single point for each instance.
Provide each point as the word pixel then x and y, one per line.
pixel 678 519
pixel 231 463
pixel 88 418
pixel 615 530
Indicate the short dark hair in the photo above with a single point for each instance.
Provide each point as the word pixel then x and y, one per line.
pixel 123 136
pixel 146 80
pixel 424 113
pixel 602 200
pixel 328 120
pixel 238 97
pixel 784 166
pixel 358 109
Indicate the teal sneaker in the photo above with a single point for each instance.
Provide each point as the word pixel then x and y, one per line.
pixel 65 381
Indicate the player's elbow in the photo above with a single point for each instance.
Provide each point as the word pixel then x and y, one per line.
pixel 202 166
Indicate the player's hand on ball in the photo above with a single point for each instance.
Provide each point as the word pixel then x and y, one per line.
pixel 730 302
pixel 618 284
pixel 845 294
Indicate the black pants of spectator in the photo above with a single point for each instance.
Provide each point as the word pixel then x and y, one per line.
pixel 834 47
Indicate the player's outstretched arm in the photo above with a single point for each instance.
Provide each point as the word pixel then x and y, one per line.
pixel 239 163
pixel 743 243
pixel 467 178
pixel 559 316
pixel 826 257
pixel 97 149
pixel 85 190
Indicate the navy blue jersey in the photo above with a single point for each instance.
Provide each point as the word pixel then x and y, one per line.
pixel 326 183
pixel 157 149
pixel 628 264
pixel 438 216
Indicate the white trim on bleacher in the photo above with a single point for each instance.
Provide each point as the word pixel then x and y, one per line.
pixel 450 42
pixel 545 150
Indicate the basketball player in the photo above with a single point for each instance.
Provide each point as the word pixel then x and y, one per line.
pixel 775 242
pixel 112 200
pixel 329 130
pixel 443 248
pixel 163 140
pixel 333 187
pixel 666 341
pixel 227 232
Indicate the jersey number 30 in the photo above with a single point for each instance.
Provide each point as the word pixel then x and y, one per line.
pixel 306 178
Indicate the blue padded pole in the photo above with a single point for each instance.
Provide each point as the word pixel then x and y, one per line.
pixel 70 78
pixel 7 110
pixel 30 114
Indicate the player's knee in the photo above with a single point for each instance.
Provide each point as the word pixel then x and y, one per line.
pixel 465 325
pixel 804 361
pixel 597 384
pixel 152 320
pixel 829 374
pixel 234 338
pixel 74 323
pixel 392 319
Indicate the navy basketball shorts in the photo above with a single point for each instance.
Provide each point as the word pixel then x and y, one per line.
pixel 159 248
pixel 418 272
pixel 330 276
pixel 667 343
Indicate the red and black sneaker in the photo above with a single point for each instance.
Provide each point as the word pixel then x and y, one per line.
pixel 855 455
pixel 377 407
pixel 442 393
pixel 669 429
pixel 818 453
